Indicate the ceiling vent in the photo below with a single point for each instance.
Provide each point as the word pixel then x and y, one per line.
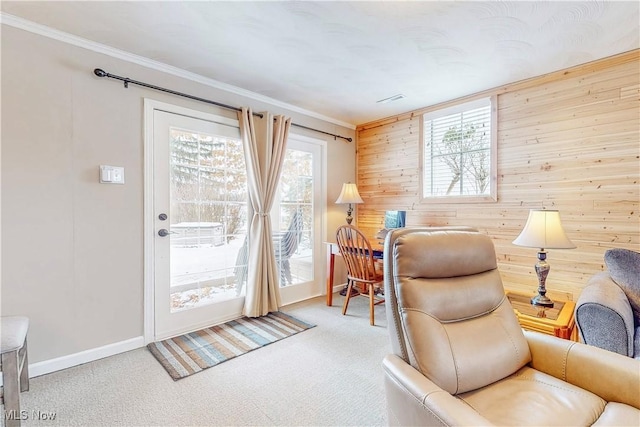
pixel 391 99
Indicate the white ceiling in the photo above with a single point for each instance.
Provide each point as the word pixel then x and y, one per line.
pixel 338 58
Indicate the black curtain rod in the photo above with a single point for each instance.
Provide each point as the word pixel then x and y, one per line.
pixel 101 73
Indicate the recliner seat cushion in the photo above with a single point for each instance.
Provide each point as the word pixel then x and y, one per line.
pixel 618 414
pixel 533 398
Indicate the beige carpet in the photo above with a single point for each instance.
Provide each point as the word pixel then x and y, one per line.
pixel 329 375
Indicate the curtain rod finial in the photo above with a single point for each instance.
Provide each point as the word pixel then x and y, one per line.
pixel 100 72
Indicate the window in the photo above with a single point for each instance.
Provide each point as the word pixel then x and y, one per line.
pixel 459 155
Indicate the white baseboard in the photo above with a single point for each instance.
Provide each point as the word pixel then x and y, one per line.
pixel 338 288
pixel 64 362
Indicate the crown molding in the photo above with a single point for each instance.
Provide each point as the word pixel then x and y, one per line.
pixel 51 33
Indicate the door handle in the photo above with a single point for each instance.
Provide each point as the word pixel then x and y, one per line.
pixel 164 232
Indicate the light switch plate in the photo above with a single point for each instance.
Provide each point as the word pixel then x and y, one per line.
pixel 111 174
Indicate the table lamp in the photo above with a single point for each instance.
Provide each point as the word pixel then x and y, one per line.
pixel 543 230
pixel 349 195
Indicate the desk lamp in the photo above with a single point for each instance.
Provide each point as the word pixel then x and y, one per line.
pixel 349 195
pixel 543 230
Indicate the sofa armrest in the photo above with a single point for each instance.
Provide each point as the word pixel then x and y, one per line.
pixel 413 400
pixel 604 316
pixel 613 377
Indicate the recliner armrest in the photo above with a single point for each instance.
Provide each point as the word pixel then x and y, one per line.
pixel 414 400
pixel 613 377
pixel 604 316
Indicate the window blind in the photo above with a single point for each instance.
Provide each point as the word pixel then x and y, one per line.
pixel 457 150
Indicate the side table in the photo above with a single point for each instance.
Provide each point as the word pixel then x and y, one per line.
pixel 557 320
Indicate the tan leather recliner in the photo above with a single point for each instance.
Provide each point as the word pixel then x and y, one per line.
pixel 461 358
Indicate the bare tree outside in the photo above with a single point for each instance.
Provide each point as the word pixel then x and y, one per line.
pixel 480 169
pixel 457 153
pixel 465 149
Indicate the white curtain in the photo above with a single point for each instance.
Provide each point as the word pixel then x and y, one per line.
pixel 265 142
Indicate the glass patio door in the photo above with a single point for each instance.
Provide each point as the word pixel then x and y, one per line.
pixel 296 221
pixel 200 221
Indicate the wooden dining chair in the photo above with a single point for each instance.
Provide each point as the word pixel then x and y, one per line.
pixel 356 251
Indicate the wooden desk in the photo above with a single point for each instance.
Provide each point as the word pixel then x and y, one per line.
pixel 557 320
pixel 332 251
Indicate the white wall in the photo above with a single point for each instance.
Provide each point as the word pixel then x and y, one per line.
pixel 72 251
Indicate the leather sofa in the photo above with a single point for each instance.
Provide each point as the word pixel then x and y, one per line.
pixel 461 358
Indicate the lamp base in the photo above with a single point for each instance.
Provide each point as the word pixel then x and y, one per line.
pixel 542 300
pixel 349 217
pixel 542 270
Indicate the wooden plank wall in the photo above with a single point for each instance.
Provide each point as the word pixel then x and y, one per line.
pixel 569 140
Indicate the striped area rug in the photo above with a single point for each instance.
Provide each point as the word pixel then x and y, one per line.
pixel 190 353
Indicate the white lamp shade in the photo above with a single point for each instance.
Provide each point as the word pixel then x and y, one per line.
pixel 349 194
pixel 544 230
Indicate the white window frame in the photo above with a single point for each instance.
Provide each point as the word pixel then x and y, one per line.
pixel 457 198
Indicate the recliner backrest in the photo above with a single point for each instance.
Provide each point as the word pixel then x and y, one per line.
pixel 447 309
